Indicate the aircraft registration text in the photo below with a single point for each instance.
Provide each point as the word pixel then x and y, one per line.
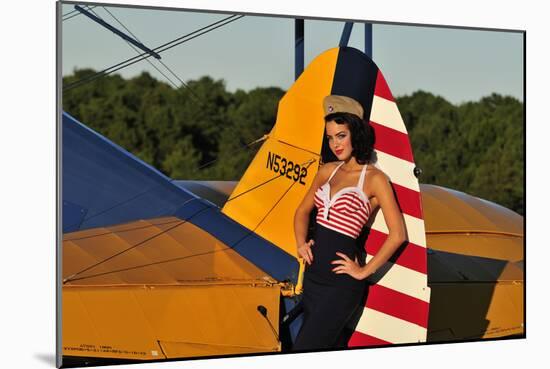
pixel 286 168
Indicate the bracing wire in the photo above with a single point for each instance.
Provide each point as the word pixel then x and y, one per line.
pixel 127 63
pixel 68 15
pixel 133 47
pixel 74 277
pixel 239 149
pixel 126 229
pixel 117 205
pixel 149 61
pixel 309 162
pixel 159 49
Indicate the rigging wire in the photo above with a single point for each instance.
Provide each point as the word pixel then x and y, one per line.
pixel 264 137
pixel 249 232
pixel 158 49
pixel 204 165
pixel 278 201
pixel 168 47
pixel 149 61
pixel 309 162
pixel 239 149
pixel 136 59
pixel 67 16
pixel 136 49
pixel 72 277
pixel 124 202
pixel 126 229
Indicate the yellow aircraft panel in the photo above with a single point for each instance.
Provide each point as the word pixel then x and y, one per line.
pixel 265 199
pixel 145 252
pixel 478 310
pixel 157 322
pixel 303 103
pixel 163 288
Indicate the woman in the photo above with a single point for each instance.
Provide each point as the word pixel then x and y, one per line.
pixel 345 194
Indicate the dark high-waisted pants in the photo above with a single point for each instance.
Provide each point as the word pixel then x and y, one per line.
pixel 329 300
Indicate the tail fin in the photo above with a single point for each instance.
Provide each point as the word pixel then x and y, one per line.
pixel 276 181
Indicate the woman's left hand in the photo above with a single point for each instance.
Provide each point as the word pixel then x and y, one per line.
pixel 348 266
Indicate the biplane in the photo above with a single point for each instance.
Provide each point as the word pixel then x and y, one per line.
pixel 156 268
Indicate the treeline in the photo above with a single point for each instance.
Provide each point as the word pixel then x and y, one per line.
pixel 476 147
pixel 180 132
pixel 204 131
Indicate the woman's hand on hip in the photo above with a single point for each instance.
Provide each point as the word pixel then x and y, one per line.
pixel 304 251
pixel 348 266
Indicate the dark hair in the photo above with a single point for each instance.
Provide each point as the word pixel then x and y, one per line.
pixel 362 135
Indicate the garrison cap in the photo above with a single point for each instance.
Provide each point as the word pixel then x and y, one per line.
pixel 342 104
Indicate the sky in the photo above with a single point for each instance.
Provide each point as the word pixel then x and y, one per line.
pixel 258 51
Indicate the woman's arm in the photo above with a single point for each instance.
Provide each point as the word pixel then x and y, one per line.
pixel 383 192
pixel 394 220
pixel 301 216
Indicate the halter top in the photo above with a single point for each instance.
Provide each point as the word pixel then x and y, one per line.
pixel 347 211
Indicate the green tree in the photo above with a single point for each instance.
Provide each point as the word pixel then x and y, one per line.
pixel 202 131
pixel 476 147
pixel 252 116
pixel 182 162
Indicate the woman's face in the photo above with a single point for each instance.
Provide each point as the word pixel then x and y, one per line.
pixel 339 139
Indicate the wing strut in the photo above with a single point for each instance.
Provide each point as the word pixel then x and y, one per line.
pixel 345 34
pixel 299 47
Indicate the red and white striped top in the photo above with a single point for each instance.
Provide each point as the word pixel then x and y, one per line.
pixel 347 211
